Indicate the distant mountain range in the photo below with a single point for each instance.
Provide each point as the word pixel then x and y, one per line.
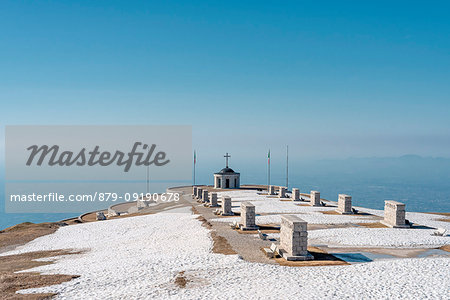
pixel 408 167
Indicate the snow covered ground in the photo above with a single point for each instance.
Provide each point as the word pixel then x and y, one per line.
pixel 424 219
pixel 378 237
pixel 311 218
pixel 272 204
pixel 353 236
pixel 139 258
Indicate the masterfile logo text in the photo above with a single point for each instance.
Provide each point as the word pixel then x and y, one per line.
pixel 50 168
pixel 53 156
pixel 98 152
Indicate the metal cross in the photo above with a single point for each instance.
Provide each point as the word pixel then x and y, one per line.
pixel 226 157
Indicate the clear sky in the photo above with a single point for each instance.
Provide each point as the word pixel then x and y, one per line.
pixel 333 79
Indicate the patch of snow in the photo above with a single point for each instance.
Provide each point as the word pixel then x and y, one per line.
pixel 378 237
pixel 269 204
pixel 139 257
pixel 430 220
pixel 311 218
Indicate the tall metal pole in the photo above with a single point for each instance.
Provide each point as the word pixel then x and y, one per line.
pixel 195 161
pixel 148 179
pixel 268 173
pixel 287 166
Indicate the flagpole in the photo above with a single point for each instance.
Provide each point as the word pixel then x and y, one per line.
pixel 287 166
pixel 195 161
pixel 268 173
pixel 148 179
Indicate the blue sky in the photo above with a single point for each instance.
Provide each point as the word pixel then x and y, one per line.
pixel 333 79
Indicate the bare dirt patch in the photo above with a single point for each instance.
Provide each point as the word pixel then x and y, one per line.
pixel 25 232
pixel 372 225
pixel 205 223
pixel 256 232
pixel 321 258
pixel 440 213
pixel 10 282
pixel 334 212
pixel 445 248
pixel 267 228
pixel 220 244
pixel 330 212
pixel 444 220
pixel 180 280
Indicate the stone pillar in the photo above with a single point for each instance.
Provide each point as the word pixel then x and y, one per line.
pixel 294 238
pixel 226 206
pixel 344 204
pixel 205 196
pixel 295 194
pixel 112 212
pixel 213 200
pixel 282 192
pixel 248 216
pixel 142 203
pixel 315 198
pixel 271 190
pixel 100 216
pixel 394 214
pixel 199 193
pixel 194 191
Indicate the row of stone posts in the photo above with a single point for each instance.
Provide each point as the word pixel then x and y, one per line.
pixel 293 230
pixel 204 196
pixel 394 212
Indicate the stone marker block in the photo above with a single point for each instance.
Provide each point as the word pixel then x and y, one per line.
pixel 344 204
pixel 199 193
pixel 142 203
pixel 394 214
pixel 194 191
pixel 100 216
pixel 295 194
pixel 271 190
pixel 315 198
pixel 282 192
pixel 112 212
pixel 294 238
pixel 248 216
pixel 205 197
pixel 213 200
pixel 226 206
